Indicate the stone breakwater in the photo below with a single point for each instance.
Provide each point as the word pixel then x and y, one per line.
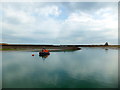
pixel 30 47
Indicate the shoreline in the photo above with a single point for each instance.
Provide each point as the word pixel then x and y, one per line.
pixel 16 47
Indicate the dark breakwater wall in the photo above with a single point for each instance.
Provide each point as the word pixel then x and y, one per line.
pixel 37 47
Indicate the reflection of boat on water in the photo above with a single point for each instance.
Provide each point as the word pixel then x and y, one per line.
pixel 44 56
pixel 44 53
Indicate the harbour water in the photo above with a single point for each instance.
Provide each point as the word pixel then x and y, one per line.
pixel 85 68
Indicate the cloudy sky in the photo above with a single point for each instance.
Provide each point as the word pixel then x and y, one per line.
pixel 60 22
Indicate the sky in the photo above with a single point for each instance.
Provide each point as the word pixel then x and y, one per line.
pixel 59 22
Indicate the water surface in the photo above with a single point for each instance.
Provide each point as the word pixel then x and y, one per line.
pixel 86 68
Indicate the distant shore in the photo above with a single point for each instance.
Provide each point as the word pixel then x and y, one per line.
pixel 55 47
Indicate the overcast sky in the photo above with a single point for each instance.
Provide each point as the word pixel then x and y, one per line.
pixel 60 23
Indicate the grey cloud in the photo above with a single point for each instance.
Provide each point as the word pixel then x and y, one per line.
pixel 68 8
pixel 11 20
pixel 88 7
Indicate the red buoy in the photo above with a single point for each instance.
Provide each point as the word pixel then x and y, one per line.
pixel 32 54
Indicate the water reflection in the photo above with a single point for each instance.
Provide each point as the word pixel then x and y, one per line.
pixel 86 68
pixel 44 56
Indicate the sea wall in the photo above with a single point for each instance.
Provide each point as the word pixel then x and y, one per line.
pixel 37 47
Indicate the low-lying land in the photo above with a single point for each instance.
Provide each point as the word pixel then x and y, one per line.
pixel 36 47
pixel 50 47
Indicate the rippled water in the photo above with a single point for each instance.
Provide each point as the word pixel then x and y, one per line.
pixel 86 68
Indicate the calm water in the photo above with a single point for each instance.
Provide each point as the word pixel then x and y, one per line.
pixel 86 68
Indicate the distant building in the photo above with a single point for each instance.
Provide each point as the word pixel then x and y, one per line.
pixel 106 44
